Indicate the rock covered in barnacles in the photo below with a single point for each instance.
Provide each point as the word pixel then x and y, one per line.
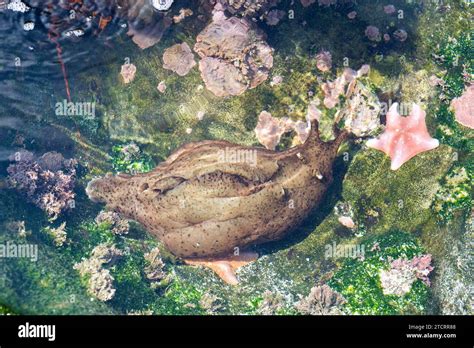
pixel 128 72
pixel 179 58
pixel 221 78
pixel 101 285
pixel 234 55
pixel 464 108
pixel 47 182
pixel 322 300
pixel 404 137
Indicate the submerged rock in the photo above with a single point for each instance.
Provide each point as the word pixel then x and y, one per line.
pixel 221 78
pixel 146 25
pixel 234 55
pixel 179 58
pixel 453 283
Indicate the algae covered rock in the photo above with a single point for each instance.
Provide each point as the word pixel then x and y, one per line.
pixel 363 282
pixel 402 198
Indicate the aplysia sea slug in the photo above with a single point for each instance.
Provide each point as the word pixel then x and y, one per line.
pixel 210 199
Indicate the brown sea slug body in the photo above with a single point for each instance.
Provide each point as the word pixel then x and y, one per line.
pixel 211 199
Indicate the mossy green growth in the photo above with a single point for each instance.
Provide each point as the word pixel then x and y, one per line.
pixel 130 159
pixel 180 298
pixel 385 199
pixel 4 310
pixel 455 57
pixel 359 280
pixel 96 234
pixel 456 193
pixel 132 290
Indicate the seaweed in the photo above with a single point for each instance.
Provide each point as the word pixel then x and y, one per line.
pixel 358 280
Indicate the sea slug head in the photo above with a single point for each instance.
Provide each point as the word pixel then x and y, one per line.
pixel 102 190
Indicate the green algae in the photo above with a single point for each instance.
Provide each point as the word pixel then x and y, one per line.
pixel 402 198
pixel 4 310
pixel 456 56
pixel 456 194
pixel 358 280
pixel 130 159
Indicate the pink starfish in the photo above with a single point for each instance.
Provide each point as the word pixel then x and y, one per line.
pixel 404 137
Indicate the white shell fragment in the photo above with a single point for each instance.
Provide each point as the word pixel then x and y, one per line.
pixel 28 26
pixel 162 5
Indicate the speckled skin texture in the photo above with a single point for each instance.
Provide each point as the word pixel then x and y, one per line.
pixel 199 205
